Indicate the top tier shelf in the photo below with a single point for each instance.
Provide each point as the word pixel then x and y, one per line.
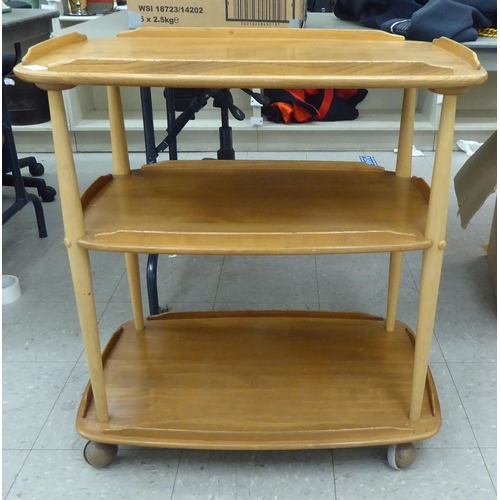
pixel 221 58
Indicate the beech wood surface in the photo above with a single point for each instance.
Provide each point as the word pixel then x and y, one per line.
pixel 79 260
pixel 256 380
pixel 256 208
pixel 221 57
pixel 260 380
pixel 432 257
pixel 403 169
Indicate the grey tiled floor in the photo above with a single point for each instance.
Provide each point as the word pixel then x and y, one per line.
pixel 44 372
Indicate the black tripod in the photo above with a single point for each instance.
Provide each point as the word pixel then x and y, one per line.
pixel 189 102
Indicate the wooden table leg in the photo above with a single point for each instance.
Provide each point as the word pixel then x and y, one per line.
pixel 134 283
pixel 121 166
pixel 119 149
pixel 433 257
pixel 395 267
pixel 78 257
pixel 403 169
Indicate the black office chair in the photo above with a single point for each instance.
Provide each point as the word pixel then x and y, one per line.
pixel 11 164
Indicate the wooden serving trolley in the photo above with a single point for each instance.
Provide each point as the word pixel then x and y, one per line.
pixel 272 379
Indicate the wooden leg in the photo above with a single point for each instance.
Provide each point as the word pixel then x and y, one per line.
pixel 433 257
pixel 134 283
pixel 395 266
pixel 121 164
pixel 406 131
pixel 403 169
pixel 78 257
pixel 82 282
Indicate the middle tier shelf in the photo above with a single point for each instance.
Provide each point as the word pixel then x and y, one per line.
pixel 256 208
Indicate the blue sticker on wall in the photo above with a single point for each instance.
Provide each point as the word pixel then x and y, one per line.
pixel 369 159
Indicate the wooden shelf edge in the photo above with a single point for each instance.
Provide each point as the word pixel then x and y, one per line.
pixel 191 208
pixel 48 46
pixel 321 330
pixel 300 244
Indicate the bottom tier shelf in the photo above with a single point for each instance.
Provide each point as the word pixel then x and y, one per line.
pixel 260 380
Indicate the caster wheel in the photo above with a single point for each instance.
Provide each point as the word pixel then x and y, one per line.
pixel 99 455
pixel 401 456
pixel 36 170
pixel 48 194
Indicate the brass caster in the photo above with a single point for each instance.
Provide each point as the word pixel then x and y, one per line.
pixel 401 456
pixel 99 455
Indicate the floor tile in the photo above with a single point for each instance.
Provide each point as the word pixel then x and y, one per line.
pixel 29 393
pixel 12 461
pixel 466 331
pixel 276 155
pixel 483 231
pixel 21 246
pixel 60 474
pixel 288 475
pixel 456 431
pixel 181 278
pixel 47 334
pixel 333 156
pixel 250 475
pixel 477 385
pixel 265 306
pixel 262 279
pixel 211 154
pixel 59 432
pixel 207 474
pixel 490 456
pixel 57 285
pixel 457 474
pixel 360 279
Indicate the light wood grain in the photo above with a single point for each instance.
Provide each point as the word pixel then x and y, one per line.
pixel 256 208
pixel 256 380
pixel 78 257
pixel 119 149
pixel 242 58
pixel 252 33
pixel 432 258
pixel 35 52
pixel 395 268
pixel 459 50
pixel 403 169
pixel 134 284
pixel 260 380
pixel 406 133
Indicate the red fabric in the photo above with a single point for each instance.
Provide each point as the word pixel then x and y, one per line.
pixel 285 109
pixel 325 105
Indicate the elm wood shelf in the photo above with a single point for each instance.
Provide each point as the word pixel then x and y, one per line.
pixel 222 207
pixel 262 208
pixel 232 58
pixel 260 380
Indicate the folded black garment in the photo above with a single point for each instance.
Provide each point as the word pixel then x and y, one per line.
pixel 422 19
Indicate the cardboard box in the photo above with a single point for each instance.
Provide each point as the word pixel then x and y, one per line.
pixel 474 183
pixel 217 13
